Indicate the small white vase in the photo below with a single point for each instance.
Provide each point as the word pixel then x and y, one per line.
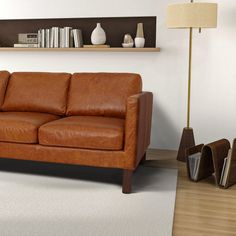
pixel 98 35
pixel 139 42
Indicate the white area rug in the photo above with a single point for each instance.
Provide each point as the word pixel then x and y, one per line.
pixel 38 199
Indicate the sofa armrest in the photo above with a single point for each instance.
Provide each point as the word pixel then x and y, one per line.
pixel 138 127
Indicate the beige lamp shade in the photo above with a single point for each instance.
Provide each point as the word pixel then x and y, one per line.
pixel 195 15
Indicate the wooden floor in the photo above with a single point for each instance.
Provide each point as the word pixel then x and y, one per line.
pixel 201 208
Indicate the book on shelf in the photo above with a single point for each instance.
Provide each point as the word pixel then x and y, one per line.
pixel 26 45
pixel 67 37
pixel 56 37
pixel 77 36
pixel 214 159
pixel 39 37
pixel 47 38
pixel 62 37
pixel 43 39
pixel 71 40
pixel 51 38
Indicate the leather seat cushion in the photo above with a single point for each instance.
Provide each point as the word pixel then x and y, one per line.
pixel 90 132
pixel 4 76
pixel 101 94
pixel 22 127
pixel 37 92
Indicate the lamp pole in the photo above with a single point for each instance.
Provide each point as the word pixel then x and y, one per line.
pixel 189 72
pixel 187 139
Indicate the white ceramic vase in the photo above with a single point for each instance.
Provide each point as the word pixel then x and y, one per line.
pixel 98 35
pixel 139 42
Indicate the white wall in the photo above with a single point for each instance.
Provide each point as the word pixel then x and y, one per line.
pixel 165 74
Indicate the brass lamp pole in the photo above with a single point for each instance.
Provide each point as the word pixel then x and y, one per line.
pixel 189 74
pixel 190 15
pixel 187 139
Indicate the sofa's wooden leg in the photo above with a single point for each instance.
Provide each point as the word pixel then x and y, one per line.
pixel 127 181
pixel 143 158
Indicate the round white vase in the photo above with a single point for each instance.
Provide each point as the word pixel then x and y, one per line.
pixel 98 35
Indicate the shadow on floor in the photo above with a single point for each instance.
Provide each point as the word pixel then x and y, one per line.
pixel 61 170
pixel 147 179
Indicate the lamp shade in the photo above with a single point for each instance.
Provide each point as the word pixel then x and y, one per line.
pixel 195 15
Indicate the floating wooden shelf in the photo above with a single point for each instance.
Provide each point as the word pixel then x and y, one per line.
pixel 112 49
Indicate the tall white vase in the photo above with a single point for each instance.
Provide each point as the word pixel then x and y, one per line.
pixel 98 35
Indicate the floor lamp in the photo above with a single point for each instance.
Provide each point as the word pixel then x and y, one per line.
pixel 190 15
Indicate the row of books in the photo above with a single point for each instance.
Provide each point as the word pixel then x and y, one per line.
pixel 54 37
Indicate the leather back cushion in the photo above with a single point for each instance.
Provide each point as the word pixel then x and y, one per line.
pixel 37 92
pixel 4 76
pixel 101 94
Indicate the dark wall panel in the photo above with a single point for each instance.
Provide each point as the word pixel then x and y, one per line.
pixel 115 28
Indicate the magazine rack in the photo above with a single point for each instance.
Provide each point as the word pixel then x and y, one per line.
pixel 212 161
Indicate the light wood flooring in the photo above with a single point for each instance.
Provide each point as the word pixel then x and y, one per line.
pixel 201 208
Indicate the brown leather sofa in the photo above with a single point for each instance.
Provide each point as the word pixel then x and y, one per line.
pixel 92 119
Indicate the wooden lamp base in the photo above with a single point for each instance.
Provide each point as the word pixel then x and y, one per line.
pixel 187 140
